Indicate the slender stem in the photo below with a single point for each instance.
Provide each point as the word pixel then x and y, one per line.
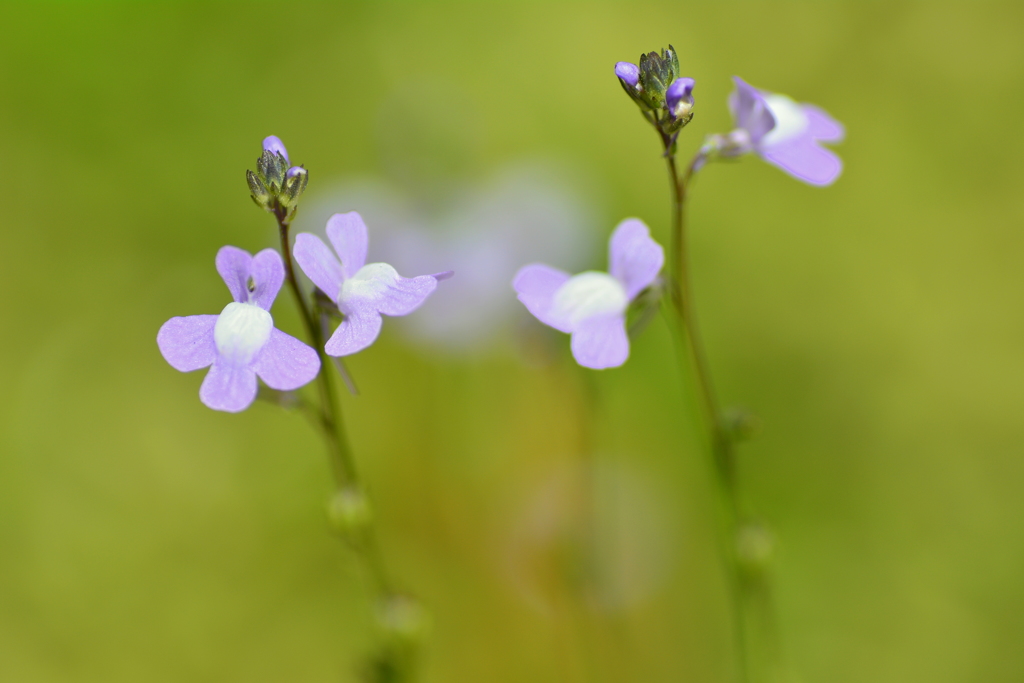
pixel 691 348
pixel 342 462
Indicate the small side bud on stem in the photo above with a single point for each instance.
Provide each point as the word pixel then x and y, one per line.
pixel 294 184
pixel 350 513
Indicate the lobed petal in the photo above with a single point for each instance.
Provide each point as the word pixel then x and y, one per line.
pixel 347 233
pixel 634 258
pixel 749 110
pixel 822 126
pixel 358 330
pixel 234 264
pixel 285 363
pixel 267 271
pixel 187 343
pixel 228 387
pixel 319 264
pixel 380 285
pixel 535 286
pixel 601 342
pixel 806 160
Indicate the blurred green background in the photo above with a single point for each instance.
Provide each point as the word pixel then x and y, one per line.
pixel 876 328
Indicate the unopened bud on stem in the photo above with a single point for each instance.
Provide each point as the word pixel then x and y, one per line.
pixel 350 512
pixel 273 144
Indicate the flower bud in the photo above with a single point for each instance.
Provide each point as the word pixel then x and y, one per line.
pixel 755 546
pixel 350 512
pixel 272 167
pixel 628 73
pixel 403 616
pixel 657 72
pixel 679 98
pixel 259 191
pixel 294 184
pixel 276 185
pixel 740 424
pixel 273 144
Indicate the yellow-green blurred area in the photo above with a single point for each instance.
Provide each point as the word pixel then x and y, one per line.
pixel 875 327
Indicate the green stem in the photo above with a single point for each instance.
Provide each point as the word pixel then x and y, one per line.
pixel 333 426
pixel 690 348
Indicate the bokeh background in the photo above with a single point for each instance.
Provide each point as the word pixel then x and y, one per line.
pixel 875 327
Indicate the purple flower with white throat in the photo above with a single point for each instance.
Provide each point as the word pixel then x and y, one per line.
pixel 591 306
pixel 241 343
pixel 363 291
pixel 784 133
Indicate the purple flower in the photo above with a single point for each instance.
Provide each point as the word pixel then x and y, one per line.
pixel 362 292
pixel 784 133
pixel 241 343
pixel 592 306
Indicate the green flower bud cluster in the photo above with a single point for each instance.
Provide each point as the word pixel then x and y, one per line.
pixel 657 73
pixel 275 185
pixel 655 84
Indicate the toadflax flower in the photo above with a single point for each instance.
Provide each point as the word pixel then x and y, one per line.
pixel 241 343
pixel 591 306
pixel 784 133
pixel 363 291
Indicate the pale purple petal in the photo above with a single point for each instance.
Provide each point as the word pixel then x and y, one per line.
pixel 805 159
pixel 635 259
pixel 285 363
pixel 267 271
pixel 233 264
pixel 601 342
pixel 273 144
pixel 822 126
pixel 535 285
pixel 443 276
pixel 187 343
pixel 358 330
pixel 347 233
pixel 319 263
pixel 402 295
pixel 228 387
pixel 750 111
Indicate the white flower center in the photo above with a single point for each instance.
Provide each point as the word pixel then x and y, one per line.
pixel 369 282
pixel 241 331
pixel 790 120
pixel 589 294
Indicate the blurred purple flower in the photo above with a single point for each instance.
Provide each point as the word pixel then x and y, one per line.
pixel 784 133
pixel 362 292
pixel 591 306
pixel 241 343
